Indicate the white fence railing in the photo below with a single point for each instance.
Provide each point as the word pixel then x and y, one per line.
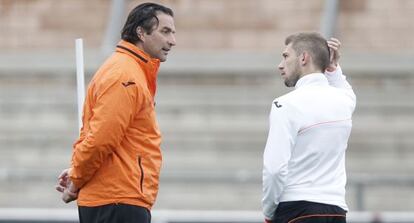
pixel 28 215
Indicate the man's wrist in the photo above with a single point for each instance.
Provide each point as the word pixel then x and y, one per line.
pixel 72 188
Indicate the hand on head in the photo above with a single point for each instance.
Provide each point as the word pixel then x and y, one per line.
pixel 334 45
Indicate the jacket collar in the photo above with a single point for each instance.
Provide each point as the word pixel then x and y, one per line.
pixel 312 79
pixel 149 65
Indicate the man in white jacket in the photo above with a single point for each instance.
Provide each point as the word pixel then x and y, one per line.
pixel 304 160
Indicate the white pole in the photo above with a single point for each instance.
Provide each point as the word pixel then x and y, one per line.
pixel 80 79
pixel 328 21
pixel 114 26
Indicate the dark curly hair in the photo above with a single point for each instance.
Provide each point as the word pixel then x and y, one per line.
pixel 144 16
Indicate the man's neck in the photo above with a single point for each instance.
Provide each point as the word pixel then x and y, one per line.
pixel 139 46
pixel 309 70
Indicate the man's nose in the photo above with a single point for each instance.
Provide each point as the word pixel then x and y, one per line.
pixel 172 41
pixel 280 66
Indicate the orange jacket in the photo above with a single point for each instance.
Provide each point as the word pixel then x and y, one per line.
pixel 117 158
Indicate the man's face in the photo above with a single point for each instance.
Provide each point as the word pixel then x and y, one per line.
pixel 162 38
pixel 290 66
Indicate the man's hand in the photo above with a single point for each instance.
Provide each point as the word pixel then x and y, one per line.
pixel 334 45
pixel 66 187
pixel 63 180
pixel 70 193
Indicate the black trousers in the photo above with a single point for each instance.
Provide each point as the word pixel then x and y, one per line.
pixel 114 213
pixel 308 212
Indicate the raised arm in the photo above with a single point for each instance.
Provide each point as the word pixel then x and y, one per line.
pixel 334 71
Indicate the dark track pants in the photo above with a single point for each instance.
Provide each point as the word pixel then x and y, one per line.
pixel 308 212
pixel 114 213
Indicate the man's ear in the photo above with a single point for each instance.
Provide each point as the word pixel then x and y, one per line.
pixel 304 58
pixel 140 33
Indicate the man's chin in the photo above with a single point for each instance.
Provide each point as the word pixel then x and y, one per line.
pixel 289 83
pixel 162 58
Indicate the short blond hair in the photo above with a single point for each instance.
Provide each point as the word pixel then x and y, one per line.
pixel 313 43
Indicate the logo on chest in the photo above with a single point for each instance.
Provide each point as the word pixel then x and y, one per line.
pixel 126 84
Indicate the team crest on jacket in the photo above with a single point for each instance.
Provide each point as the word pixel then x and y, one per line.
pixel 126 84
pixel 277 104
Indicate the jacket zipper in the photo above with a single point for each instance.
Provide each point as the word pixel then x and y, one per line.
pixel 142 174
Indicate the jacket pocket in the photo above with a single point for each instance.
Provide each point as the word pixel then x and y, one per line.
pixel 141 180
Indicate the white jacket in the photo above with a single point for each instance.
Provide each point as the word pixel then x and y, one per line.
pixel 304 158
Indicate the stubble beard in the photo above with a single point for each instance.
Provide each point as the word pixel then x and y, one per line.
pixel 291 81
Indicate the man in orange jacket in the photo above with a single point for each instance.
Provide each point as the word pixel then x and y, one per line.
pixel 116 161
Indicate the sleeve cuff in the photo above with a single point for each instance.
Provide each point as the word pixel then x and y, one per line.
pixel 337 70
pixel 76 181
